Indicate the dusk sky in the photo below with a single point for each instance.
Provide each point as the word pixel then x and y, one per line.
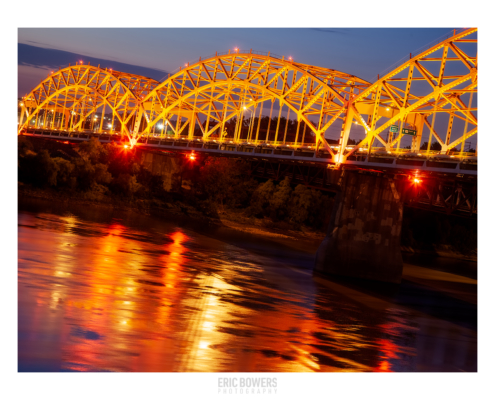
pixel 364 52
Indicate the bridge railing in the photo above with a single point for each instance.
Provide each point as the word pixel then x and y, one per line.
pixel 308 147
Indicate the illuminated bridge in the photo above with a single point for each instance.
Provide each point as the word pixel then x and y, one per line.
pixel 221 103
pixel 418 120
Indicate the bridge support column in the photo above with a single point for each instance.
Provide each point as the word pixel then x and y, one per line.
pixel 363 238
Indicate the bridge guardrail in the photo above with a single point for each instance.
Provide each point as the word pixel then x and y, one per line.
pixel 376 152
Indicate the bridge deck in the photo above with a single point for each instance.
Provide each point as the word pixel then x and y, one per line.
pixel 376 159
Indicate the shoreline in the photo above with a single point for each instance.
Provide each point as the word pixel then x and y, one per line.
pixel 229 219
pixel 440 251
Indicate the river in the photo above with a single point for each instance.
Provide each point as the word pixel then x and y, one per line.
pixel 105 290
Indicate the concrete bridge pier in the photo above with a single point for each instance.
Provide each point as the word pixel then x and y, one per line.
pixel 363 238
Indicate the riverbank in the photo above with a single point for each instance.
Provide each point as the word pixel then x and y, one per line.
pixel 234 220
pixel 440 251
pixel 278 232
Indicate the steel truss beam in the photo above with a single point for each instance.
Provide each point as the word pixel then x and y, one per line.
pixel 441 79
pixel 77 96
pixel 225 97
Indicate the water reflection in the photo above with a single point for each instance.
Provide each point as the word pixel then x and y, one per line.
pixel 115 295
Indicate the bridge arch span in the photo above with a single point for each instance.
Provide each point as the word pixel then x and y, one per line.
pixel 72 95
pixel 230 85
pixel 225 98
pixel 438 82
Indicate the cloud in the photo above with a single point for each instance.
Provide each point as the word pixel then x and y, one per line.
pixel 42 58
pixel 84 54
pixel 43 67
pixel 328 30
pixel 32 41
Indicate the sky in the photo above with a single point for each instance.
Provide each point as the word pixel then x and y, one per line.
pixel 153 52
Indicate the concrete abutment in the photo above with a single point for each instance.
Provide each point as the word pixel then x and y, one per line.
pixel 363 237
pixel 161 164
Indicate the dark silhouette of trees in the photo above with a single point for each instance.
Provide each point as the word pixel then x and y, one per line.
pixel 434 146
pixel 223 181
pixel 92 170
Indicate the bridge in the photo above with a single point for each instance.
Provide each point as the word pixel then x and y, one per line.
pixel 412 125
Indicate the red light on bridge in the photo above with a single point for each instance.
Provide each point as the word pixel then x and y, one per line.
pixel 415 179
pixel 192 157
pixel 126 146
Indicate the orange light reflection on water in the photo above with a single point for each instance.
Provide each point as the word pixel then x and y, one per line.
pixel 109 297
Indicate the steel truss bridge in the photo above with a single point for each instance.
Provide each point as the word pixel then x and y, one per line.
pixel 419 118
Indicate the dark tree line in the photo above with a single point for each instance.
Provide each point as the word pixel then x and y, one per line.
pixel 95 170
pixel 223 182
pixel 250 124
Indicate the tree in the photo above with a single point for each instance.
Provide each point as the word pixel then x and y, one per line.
pixel 24 146
pixel 261 198
pixel 121 184
pixel 93 150
pixel 434 146
pixel 44 171
pixel 134 185
pixel 224 181
pixel 310 207
pixel 102 176
pixel 152 184
pixel 300 204
pixel 65 169
pixel 84 172
pixel 279 200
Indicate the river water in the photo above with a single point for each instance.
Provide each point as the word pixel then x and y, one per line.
pixel 102 290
